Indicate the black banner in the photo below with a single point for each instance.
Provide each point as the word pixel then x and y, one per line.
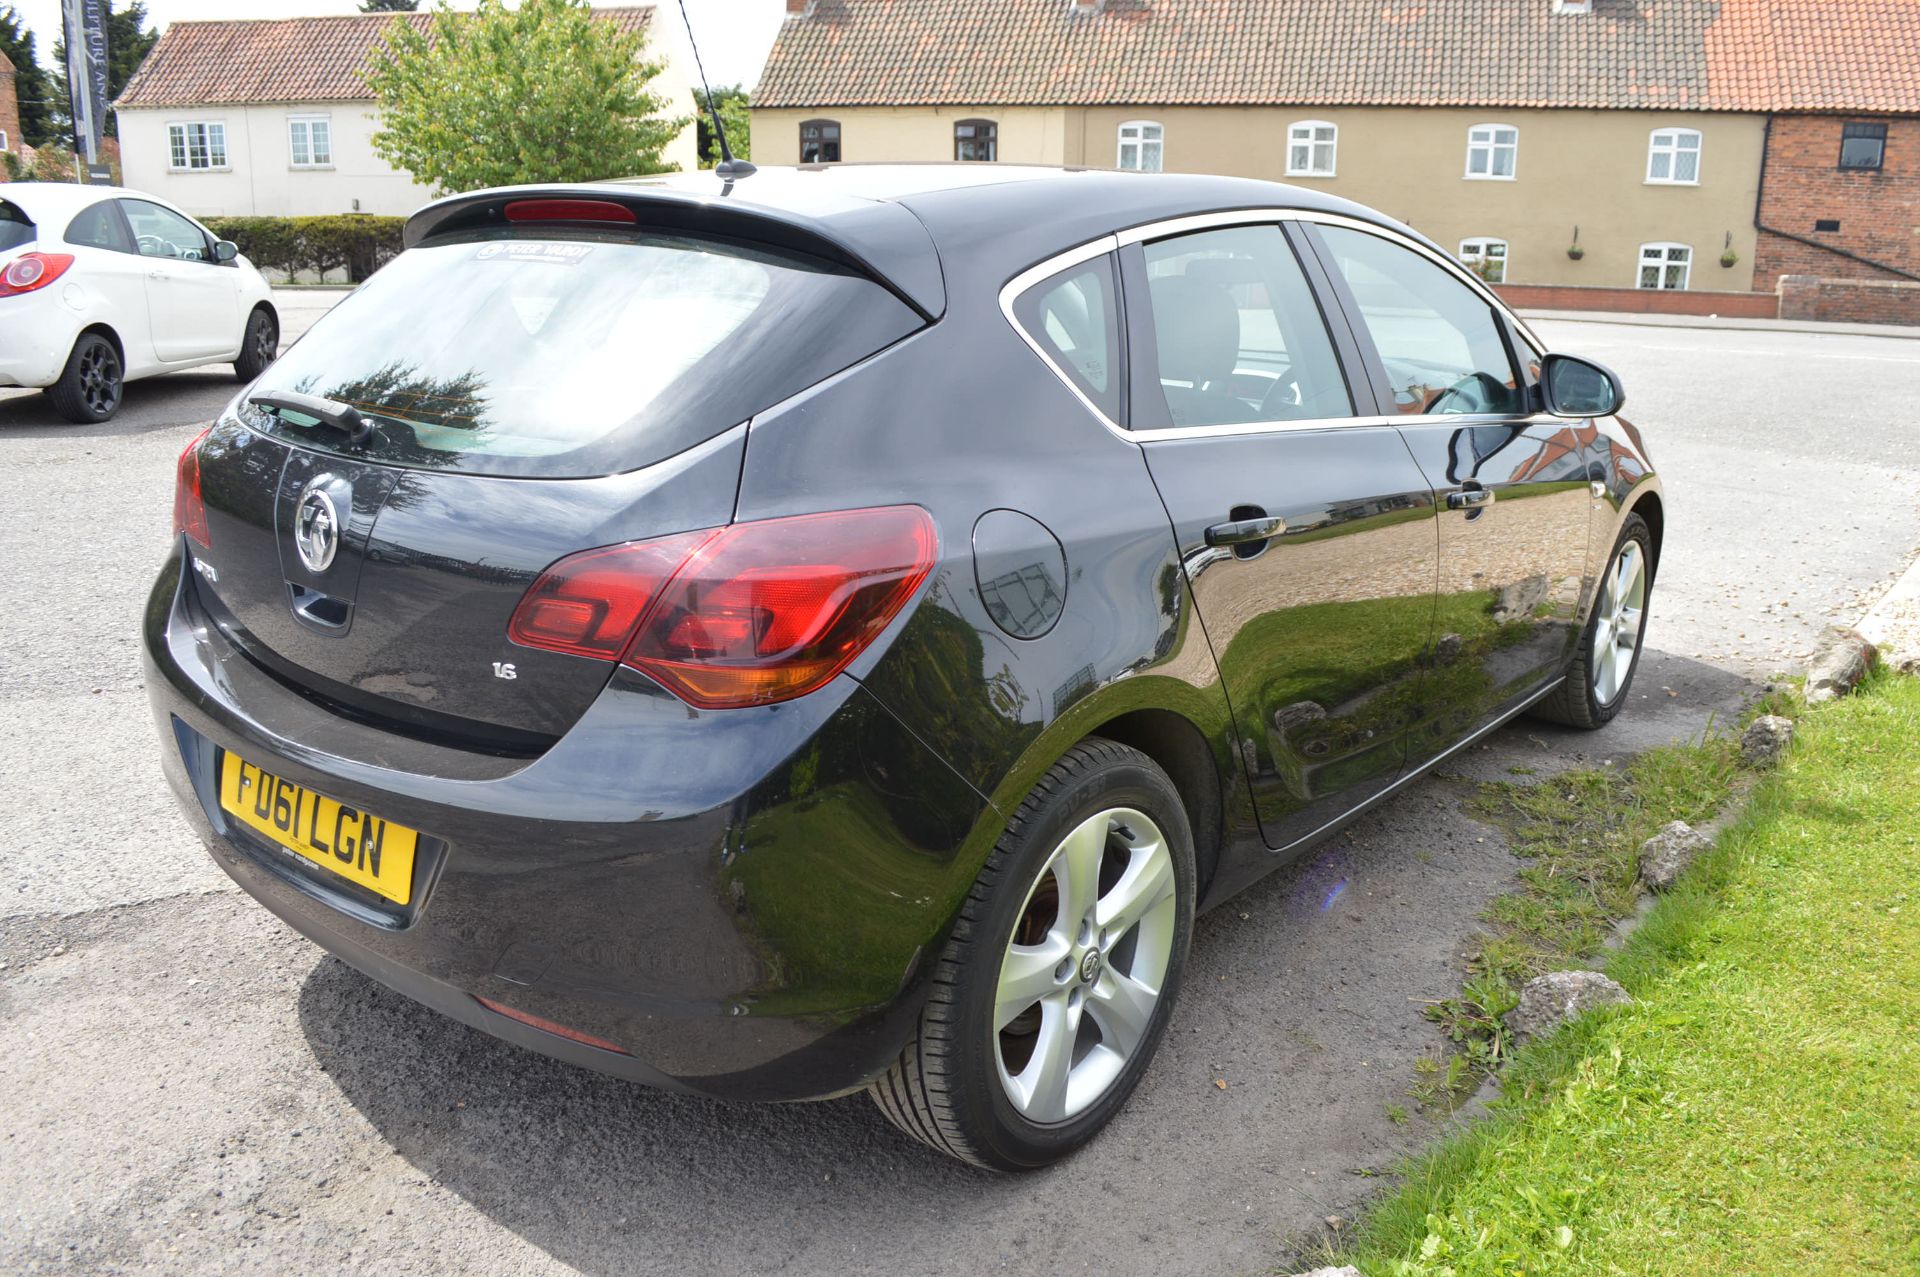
pixel 86 32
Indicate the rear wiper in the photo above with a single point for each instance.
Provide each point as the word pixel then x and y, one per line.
pixel 328 412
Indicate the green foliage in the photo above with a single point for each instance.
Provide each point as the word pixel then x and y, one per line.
pixel 31 82
pixel 49 164
pixel 128 43
pixel 353 242
pixel 541 93
pixel 733 117
pixel 389 6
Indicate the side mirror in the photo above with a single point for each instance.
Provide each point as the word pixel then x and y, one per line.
pixel 1574 387
pixel 225 251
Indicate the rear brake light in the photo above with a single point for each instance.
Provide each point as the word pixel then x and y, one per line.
pixel 189 510
pixel 744 615
pixel 569 211
pixel 31 271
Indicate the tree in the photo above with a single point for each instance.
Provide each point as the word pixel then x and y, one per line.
pixel 389 6
pixel 542 93
pixel 733 116
pixel 128 43
pixel 30 81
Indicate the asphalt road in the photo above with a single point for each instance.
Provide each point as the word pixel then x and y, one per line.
pixel 188 1087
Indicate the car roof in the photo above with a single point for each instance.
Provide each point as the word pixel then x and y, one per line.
pixel 50 199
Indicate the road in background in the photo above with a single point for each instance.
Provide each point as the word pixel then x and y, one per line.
pixel 186 1086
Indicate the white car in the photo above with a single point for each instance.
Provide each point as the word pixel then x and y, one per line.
pixel 100 286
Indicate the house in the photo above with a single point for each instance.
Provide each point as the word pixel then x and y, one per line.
pixel 1577 144
pixel 272 117
pixel 10 140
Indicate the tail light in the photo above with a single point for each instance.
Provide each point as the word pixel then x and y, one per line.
pixel 569 211
pixel 189 510
pixel 742 615
pixel 31 271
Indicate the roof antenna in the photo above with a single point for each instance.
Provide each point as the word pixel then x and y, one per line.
pixel 728 168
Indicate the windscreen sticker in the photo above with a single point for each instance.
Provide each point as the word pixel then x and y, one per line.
pixel 537 251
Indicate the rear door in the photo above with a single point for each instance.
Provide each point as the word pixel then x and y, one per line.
pixel 1305 527
pixel 193 301
pixel 1511 482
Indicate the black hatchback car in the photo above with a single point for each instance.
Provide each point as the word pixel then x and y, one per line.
pixel 832 630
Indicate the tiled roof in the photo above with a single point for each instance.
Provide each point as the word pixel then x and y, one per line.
pixel 279 60
pixel 1738 55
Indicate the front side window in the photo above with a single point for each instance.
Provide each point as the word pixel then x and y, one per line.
pixel 1664 266
pixel 310 142
pixel 1863 146
pixel 1073 319
pixel 1237 335
pixel 161 232
pixel 976 140
pixel 197 146
pixel 1439 341
pixel 1486 258
pixel 1493 151
pixel 1140 146
pixel 1673 157
pixel 1311 145
pixel 820 141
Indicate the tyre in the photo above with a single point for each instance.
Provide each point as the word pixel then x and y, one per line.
pixel 1055 988
pixel 260 346
pixel 1602 671
pixel 91 386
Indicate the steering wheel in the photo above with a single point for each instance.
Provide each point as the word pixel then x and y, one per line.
pixel 1288 400
pixel 1476 392
pixel 154 246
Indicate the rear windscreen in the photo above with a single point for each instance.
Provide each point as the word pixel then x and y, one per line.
pixel 564 355
pixel 16 228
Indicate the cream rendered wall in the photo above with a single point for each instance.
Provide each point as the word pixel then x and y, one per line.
pixel 1028 135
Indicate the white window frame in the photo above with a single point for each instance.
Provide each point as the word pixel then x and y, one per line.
pixel 1492 146
pixel 1134 135
pixel 3 139
pixel 1302 133
pixel 1659 253
pixel 184 151
pixel 1476 248
pixel 1672 150
pixel 308 120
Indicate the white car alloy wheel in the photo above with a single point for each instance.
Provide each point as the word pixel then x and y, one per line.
pixel 1088 959
pixel 1621 614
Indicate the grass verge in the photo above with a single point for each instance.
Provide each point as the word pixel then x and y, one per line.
pixel 1754 1110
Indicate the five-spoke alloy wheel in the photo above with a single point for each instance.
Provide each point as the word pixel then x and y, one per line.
pixel 90 388
pixel 1602 670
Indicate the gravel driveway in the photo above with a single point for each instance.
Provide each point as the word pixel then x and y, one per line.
pixel 186 1086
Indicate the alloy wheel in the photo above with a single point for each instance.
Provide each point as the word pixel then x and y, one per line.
pixel 99 378
pixel 266 341
pixel 1085 968
pixel 1616 632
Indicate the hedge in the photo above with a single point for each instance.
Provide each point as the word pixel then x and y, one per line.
pixel 357 243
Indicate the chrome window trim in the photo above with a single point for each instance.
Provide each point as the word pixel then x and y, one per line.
pixel 1168 227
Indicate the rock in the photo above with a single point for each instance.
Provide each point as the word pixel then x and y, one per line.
pixel 1290 718
pixel 1516 602
pixel 1548 1001
pixel 1839 663
pixel 1666 855
pixel 1447 650
pixel 1766 739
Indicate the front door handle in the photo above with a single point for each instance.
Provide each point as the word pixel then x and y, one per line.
pixel 1470 498
pixel 1243 531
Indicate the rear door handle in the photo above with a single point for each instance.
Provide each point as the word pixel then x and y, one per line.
pixel 1469 498
pixel 1242 531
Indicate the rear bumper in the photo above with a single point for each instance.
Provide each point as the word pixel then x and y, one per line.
pixel 36 336
pixel 746 903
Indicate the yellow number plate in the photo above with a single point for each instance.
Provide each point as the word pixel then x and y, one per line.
pixel 359 847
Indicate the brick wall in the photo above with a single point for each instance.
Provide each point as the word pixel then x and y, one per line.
pixel 1637 301
pixel 1878 210
pixel 1858 301
pixel 9 113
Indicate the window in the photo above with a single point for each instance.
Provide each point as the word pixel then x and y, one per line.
pixel 1140 146
pixel 16 228
pixel 976 140
pixel 1492 151
pixel 1486 258
pixel 310 141
pixel 197 146
pixel 1237 335
pixel 1863 146
pixel 1664 266
pixel 3 139
pixel 1072 317
pixel 1439 340
pixel 161 232
pixel 1673 157
pixel 819 141
pixel 101 226
pixel 1310 148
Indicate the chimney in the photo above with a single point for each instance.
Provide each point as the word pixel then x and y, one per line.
pixel 800 8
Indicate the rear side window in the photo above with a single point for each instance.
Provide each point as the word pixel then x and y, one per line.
pixel 1073 318
pixel 567 355
pixel 16 228
pixel 100 227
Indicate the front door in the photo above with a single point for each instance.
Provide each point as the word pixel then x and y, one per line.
pixel 1307 533
pixel 193 301
pixel 1511 483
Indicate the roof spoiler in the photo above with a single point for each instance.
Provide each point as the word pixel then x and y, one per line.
pixel 879 239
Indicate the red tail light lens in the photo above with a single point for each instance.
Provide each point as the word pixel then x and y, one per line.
pixel 31 271
pixel 570 211
pixel 189 510
pixel 742 615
